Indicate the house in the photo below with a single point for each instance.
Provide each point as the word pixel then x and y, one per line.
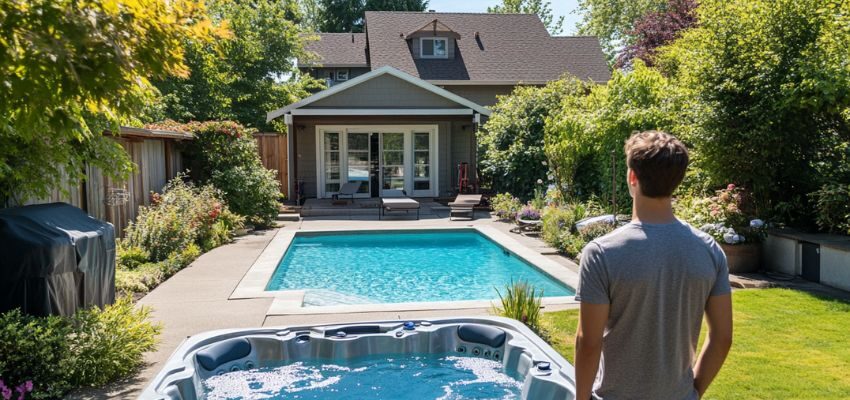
pixel 406 98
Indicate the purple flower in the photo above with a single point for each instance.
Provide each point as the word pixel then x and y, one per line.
pixel 7 393
pixel 529 213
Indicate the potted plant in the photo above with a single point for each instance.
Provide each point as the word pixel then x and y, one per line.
pixel 723 217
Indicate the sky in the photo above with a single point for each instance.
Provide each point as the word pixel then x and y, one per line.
pixel 564 8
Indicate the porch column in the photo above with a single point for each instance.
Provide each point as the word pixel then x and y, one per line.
pixel 473 157
pixel 290 160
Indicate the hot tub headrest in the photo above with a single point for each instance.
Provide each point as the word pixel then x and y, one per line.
pixel 214 355
pixel 482 334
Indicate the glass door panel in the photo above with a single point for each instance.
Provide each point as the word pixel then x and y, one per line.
pixel 358 161
pixel 421 161
pixel 392 154
pixel 331 161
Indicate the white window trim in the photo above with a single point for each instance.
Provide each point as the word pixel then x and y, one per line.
pixel 408 155
pixel 421 47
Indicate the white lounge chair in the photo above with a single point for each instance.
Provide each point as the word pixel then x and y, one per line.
pixel 464 204
pixel 396 200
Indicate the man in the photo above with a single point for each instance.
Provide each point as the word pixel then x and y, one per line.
pixel 644 289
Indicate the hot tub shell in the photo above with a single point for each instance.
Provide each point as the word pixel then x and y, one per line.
pixel 546 375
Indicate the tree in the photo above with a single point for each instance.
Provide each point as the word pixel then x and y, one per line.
pixel 611 20
pixel 311 15
pixel 69 70
pixel 656 29
pixel 511 143
pixel 543 10
pixel 584 136
pixel 348 15
pixel 241 77
pixel 768 94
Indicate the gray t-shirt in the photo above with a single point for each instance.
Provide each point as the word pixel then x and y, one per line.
pixel 657 279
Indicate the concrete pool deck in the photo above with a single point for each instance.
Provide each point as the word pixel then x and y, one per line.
pixel 197 299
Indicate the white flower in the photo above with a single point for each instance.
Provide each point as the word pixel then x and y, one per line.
pixel 540 181
pixel 551 177
pixel 756 224
pixel 737 238
pixel 729 238
pixel 544 162
pixel 707 228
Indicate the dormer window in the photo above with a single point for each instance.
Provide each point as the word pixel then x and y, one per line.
pixel 434 47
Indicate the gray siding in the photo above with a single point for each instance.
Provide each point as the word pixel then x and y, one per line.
pixel 454 141
pixel 385 91
pixel 484 95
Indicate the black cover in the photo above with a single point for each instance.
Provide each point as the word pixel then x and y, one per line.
pixel 55 259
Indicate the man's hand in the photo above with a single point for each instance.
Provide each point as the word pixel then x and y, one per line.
pixel 718 316
pixel 591 325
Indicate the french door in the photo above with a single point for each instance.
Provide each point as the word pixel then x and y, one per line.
pixel 379 158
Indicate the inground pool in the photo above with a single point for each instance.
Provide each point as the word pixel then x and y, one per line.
pixel 403 266
pixel 458 358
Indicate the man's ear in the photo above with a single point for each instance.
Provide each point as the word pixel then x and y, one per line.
pixel 632 178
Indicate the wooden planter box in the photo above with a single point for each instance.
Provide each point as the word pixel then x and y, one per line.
pixel 742 258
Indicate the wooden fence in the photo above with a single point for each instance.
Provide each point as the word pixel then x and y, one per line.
pixel 273 153
pixel 157 158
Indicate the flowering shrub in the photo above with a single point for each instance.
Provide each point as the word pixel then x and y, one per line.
pixel 505 206
pixel 722 216
pixel 225 155
pixel 166 236
pixel 19 390
pixel 529 213
pixel 558 226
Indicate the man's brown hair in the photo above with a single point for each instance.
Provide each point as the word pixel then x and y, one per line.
pixel 659 160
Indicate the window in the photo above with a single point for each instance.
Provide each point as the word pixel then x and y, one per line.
pixel 342 74
pixel 332 172
pixel 434 47
pixel 421 161
pixel 393 158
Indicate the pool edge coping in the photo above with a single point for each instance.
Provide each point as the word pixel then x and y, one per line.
pixel 289 302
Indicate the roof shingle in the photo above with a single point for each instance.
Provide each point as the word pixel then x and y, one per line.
pixel 338 50
pixel 508 48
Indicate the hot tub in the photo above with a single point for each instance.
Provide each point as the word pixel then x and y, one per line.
pixel 459 358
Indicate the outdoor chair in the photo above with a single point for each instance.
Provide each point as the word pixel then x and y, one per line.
pixel 397 200
pixel 348 190
pixel 464 204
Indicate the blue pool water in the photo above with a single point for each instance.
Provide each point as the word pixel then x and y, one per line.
pixel 378 377
pixel 403 266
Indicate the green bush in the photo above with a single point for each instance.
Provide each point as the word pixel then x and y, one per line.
pixel 505 206
pixel 558 222
pixel 832 208
pixel 225 155
pixel 109 344
pixel 521 302
pixel 146 276
pixel 35 349
pixel 512 157
pixel 91 348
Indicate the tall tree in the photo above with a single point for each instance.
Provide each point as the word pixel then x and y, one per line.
pixel 657 29
pixel 311 15
pixel 611 20
pixel 69 69
pixel 241 77
pixel 348 15
pixel 542 9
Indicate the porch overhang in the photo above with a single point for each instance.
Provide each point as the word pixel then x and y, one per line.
pixel 460 105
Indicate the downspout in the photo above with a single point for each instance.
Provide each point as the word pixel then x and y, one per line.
pixel 290 143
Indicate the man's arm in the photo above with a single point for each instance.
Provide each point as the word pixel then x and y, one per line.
pixel 591 325
pixel 718 315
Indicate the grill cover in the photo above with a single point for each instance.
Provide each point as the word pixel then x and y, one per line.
pixel 55 259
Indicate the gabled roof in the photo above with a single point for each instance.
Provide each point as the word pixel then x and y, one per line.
pixel 492 47
pixel 434 27
pixel 337 50
pixel 386 70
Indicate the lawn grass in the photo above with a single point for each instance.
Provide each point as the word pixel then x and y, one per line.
pixel 788 345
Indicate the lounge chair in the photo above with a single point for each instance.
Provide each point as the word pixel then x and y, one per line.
pixel 348 190
pixel 396 200
pixel 464 204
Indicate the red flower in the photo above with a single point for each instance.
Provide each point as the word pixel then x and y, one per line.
pixel 731 186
